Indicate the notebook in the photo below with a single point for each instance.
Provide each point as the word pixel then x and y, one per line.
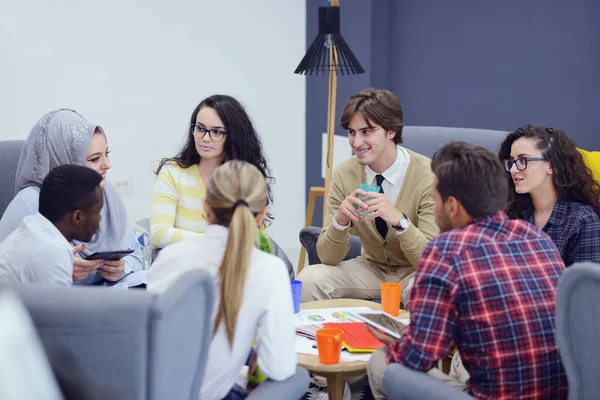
pixel 356 339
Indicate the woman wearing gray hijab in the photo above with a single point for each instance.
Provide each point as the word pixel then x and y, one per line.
pixel 65 137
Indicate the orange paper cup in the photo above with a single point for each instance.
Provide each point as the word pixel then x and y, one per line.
pixel 329 345
pixel 390 298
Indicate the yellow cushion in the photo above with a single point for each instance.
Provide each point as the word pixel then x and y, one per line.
pixel 592 160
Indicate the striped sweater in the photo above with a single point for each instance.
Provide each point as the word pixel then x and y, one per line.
pixel 177 211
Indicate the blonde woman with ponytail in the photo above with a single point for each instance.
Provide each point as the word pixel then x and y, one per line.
pixel 252 287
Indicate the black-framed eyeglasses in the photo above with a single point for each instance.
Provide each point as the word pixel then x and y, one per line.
pixel 520 162
pixel 215 135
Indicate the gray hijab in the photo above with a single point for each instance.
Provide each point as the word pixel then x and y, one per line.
pixel 63 137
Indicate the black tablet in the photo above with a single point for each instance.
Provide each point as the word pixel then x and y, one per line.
pixel 109 255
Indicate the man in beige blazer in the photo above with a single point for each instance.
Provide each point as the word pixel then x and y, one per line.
pixel 393 225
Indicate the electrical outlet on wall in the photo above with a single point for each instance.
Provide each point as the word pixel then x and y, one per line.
pixel 124 185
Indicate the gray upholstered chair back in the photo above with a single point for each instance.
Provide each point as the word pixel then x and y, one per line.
pixel 577 327
pixel 425 140
pixel 10 150
pixel 135 344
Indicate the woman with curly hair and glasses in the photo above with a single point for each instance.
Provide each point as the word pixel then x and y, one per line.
pixel 552 188
pixel 219 130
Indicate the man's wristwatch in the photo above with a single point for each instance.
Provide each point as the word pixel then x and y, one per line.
pixel 402 225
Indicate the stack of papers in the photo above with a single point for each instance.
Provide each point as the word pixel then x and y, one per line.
pixel 309 331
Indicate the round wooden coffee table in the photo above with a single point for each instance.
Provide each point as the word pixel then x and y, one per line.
pixel 336 374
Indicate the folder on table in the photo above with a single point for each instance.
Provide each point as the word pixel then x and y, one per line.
pixel 356 339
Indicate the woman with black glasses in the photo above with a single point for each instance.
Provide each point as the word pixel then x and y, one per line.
pixel 219 130
pixel 552 188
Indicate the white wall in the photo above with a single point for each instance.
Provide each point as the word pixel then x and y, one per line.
pixel 138 68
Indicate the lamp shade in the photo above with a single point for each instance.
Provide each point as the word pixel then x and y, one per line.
pixel 329 51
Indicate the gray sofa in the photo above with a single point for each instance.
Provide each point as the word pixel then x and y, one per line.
pixel 425 140
pixel 131 343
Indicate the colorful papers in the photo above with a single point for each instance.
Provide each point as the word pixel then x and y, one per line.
pixel 323 315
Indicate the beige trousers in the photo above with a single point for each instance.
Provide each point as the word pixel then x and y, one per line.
pixel 457 378
pixel 352 279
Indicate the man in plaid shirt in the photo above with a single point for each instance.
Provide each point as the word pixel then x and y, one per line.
pixel 486 284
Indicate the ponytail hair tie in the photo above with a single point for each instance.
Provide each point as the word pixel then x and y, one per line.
pixel 240 202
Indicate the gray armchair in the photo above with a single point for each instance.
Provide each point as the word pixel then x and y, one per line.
pixel 425 140
pixel 10 150
pixel 308 239
pixel 135 344
pixel 577 320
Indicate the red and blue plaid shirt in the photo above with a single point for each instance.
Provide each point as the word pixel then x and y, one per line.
pixel 490 288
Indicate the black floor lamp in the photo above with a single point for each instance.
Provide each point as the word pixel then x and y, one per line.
pixel 327 53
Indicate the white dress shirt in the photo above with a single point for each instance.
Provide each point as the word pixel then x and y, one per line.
pixel 266 314
pixel 37 253
pixel 393 179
